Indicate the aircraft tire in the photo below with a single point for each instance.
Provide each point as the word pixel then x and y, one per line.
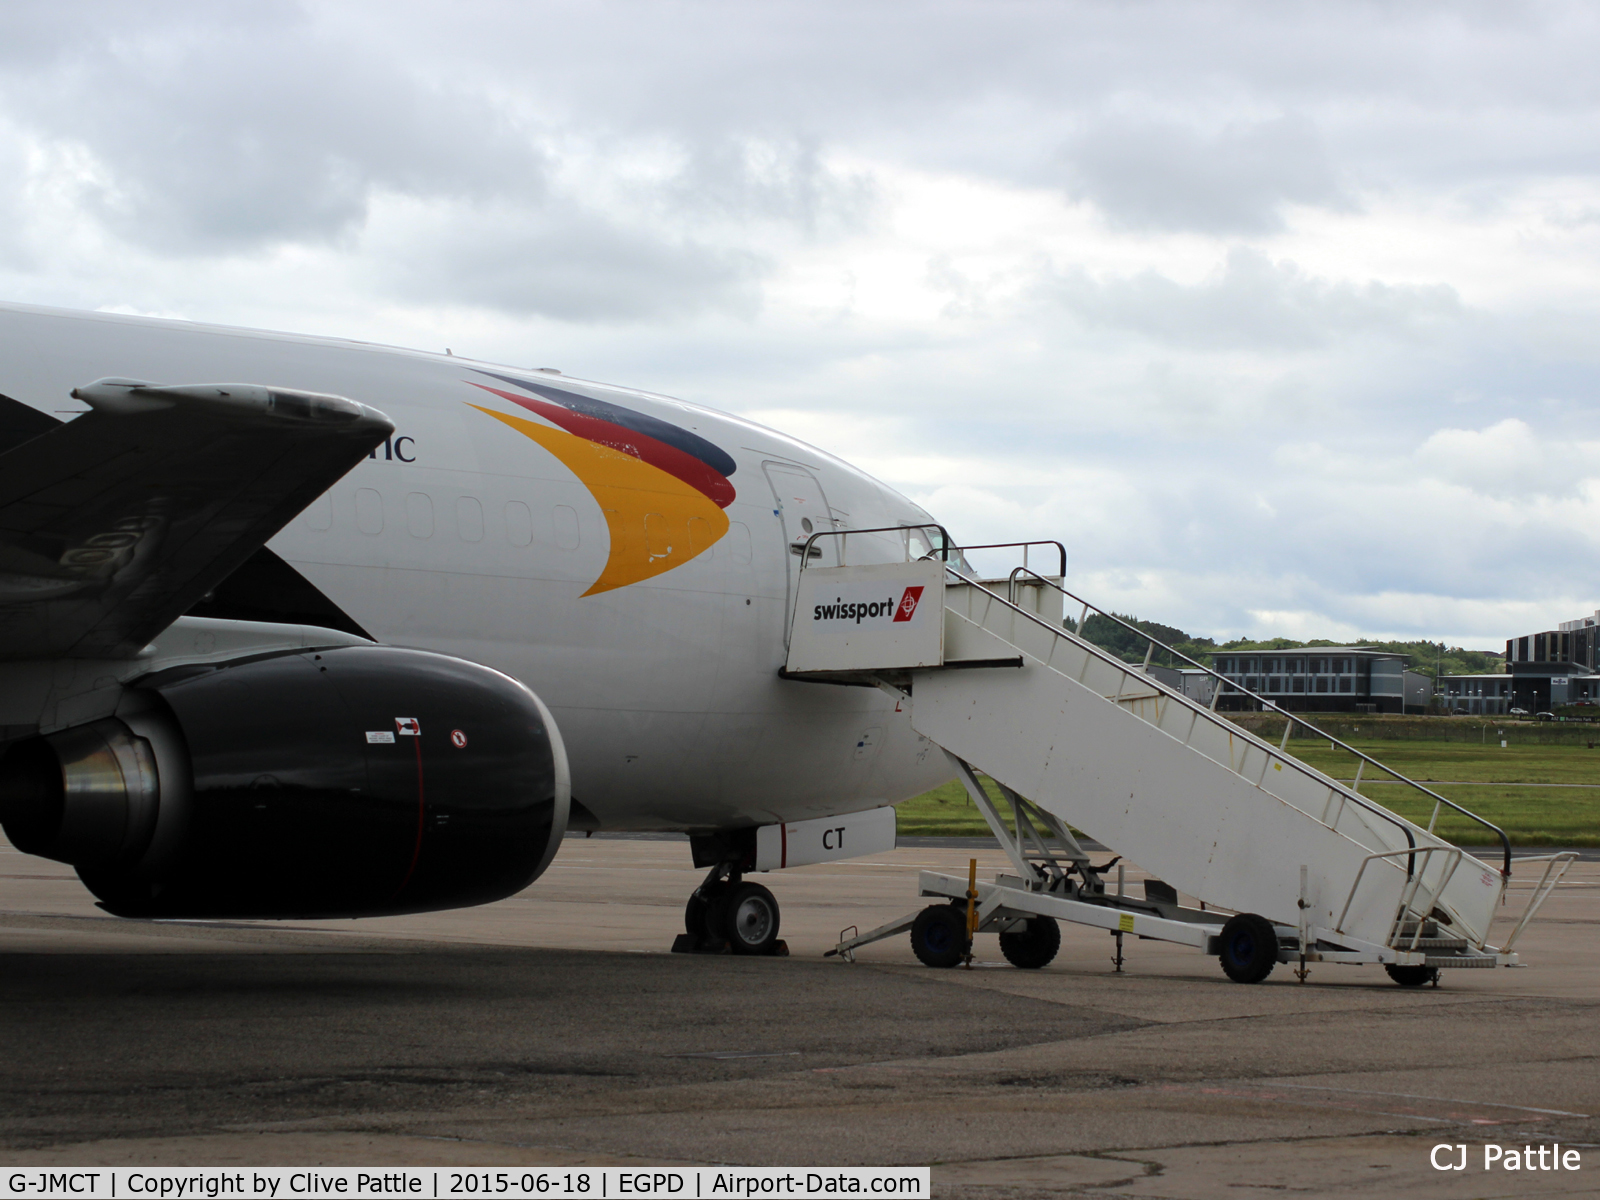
pixel 1409 977
pixel 749 918
pixel 1249 948
pixel 695 914
pixel 1035 946
pixel 939 935
pixel 702 916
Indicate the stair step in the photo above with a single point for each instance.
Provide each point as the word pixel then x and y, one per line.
pixel 1460 960
pixel 1214 812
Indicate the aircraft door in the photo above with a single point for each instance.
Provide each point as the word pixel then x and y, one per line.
pixel 802 510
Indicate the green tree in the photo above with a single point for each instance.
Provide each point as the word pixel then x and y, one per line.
pixel 1131 647
pixel 1425 657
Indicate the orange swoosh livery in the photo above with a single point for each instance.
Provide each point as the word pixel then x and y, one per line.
pixel 661 488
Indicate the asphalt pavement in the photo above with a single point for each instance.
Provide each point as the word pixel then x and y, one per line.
pixel 553 1028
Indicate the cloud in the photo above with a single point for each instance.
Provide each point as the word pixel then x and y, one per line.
pixel 1161 175
pixel 1509 459
pixel 207 134
pixel 1272 313
pixel 13 166
pixel 1252 301
pixel 1420 540
pixel 787 181
pixel 558 261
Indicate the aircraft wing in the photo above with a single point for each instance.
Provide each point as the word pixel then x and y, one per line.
pixel 115 523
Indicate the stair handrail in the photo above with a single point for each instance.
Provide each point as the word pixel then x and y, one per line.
pixel 946 543
pixel 1408 894
pixel 1060 549
pixel 1219 682
pixel 1555 869
pixel 942 554
pixel 1294 764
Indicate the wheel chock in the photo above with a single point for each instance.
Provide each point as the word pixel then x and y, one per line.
pixel 685 944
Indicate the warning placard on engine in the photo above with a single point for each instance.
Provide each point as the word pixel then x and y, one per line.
pixel 869 618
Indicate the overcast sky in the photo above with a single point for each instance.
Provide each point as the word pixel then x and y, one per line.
pixel 1281 316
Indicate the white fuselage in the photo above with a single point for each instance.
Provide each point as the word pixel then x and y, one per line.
pixel 480 530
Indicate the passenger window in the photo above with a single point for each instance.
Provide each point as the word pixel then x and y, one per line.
pixel 419 514
pixel 469 519
pixel 700 539
pixel 564 521
pixel 319 516
pixel 657 537
pixel 369 511
pixel 519 523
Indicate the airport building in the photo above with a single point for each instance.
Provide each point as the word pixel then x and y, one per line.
pixel 1480 695
pixel 1326 679
pixel 1556 667
pixel 1543 672
pixel 1535 690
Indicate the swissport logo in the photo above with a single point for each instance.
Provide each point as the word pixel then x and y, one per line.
pixel 871 611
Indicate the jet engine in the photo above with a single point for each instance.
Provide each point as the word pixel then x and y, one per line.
pixel 353 781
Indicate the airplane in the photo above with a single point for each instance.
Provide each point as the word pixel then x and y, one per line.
pixel 302 627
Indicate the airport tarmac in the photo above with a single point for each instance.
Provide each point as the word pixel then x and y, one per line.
pixel 552 1028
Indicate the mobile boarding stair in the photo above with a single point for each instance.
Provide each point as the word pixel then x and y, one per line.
pixel 1303 867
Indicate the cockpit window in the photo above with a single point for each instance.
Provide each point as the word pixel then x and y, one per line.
pixel 925 541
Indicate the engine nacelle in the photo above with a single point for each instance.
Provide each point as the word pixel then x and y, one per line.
pixel 355 781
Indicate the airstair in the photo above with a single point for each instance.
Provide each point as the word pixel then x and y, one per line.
pixel 1287 863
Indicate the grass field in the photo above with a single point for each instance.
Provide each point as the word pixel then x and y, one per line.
pixel 1532 816
pixel 943 812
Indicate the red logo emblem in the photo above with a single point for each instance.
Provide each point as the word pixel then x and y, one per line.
pixel 458 739
pixel 907 607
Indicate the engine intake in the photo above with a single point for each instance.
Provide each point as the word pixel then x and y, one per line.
pixel 357 781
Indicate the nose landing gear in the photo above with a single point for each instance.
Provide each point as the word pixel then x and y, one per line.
pixel 726 914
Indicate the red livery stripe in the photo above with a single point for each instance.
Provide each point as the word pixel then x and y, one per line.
pixel 706 480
